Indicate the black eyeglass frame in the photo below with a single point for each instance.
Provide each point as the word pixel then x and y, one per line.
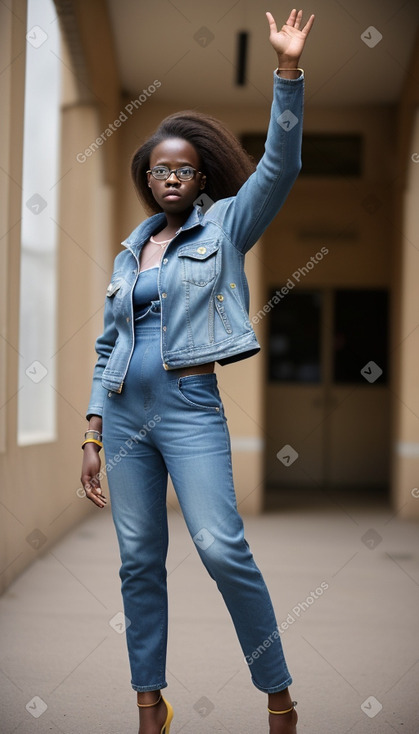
pixel 175 171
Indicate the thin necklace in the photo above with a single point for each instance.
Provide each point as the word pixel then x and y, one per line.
pixel 164 242
pixel 161 244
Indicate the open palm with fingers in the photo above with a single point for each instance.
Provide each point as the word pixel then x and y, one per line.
pixel 289 41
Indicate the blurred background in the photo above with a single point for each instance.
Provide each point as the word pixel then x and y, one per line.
pixel 326 416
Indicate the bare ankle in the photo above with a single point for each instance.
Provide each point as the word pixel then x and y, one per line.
pixel 282 714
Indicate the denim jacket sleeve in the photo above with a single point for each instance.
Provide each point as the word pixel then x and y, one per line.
pixel 103 346
pixel 260 198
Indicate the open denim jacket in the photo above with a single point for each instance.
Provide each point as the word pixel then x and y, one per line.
pixel 203 290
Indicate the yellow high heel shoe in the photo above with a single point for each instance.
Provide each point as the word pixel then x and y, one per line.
pixel 166 726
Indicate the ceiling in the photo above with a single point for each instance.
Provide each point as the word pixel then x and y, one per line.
pixel 190 46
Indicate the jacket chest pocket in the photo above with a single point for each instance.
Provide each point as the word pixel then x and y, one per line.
pixel 199 262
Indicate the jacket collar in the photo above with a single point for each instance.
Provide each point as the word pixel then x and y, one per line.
pixel 141 234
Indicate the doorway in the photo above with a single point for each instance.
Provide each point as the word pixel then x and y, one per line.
pixel 327 413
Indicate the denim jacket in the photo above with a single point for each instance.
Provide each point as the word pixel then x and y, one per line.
pixel 204 295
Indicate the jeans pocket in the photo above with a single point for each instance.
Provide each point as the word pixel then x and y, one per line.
pixel 200 391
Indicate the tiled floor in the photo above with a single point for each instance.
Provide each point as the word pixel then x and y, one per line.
pixel 351 649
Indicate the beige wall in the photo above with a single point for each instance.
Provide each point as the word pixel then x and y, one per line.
pixel 406 346
pixel 38 484
pixel 405 405
pixel 12 515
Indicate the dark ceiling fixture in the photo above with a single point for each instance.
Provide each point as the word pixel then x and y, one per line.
pixel 242 39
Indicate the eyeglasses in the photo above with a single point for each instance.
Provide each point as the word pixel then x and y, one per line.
pixel 185 173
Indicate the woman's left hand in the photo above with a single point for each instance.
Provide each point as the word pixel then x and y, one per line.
pixel 289 41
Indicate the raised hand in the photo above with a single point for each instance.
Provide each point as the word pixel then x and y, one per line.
pixel 289 41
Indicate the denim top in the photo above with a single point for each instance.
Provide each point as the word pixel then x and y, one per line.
pixel 146 290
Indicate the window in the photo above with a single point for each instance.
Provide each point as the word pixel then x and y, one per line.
pixel 322 154
pixel 36 398
pixel 357 348
pixel 295 337
pixel 360 336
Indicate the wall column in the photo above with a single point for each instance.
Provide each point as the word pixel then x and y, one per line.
pixel 406 400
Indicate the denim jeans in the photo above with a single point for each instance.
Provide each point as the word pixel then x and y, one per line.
pixel 162 423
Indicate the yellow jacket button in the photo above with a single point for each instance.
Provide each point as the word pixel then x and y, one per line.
pixel 202 250
pixel 166 367
pixel 220 297
pixel 232 285
pixel 164 295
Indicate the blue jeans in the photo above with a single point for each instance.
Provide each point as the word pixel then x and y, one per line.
pixel 162 423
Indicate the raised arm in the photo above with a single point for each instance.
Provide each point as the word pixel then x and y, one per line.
pixel 246 215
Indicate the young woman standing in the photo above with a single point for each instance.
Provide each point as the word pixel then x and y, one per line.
pixel 177 303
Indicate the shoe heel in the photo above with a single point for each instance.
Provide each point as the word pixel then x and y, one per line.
pixel 169 717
